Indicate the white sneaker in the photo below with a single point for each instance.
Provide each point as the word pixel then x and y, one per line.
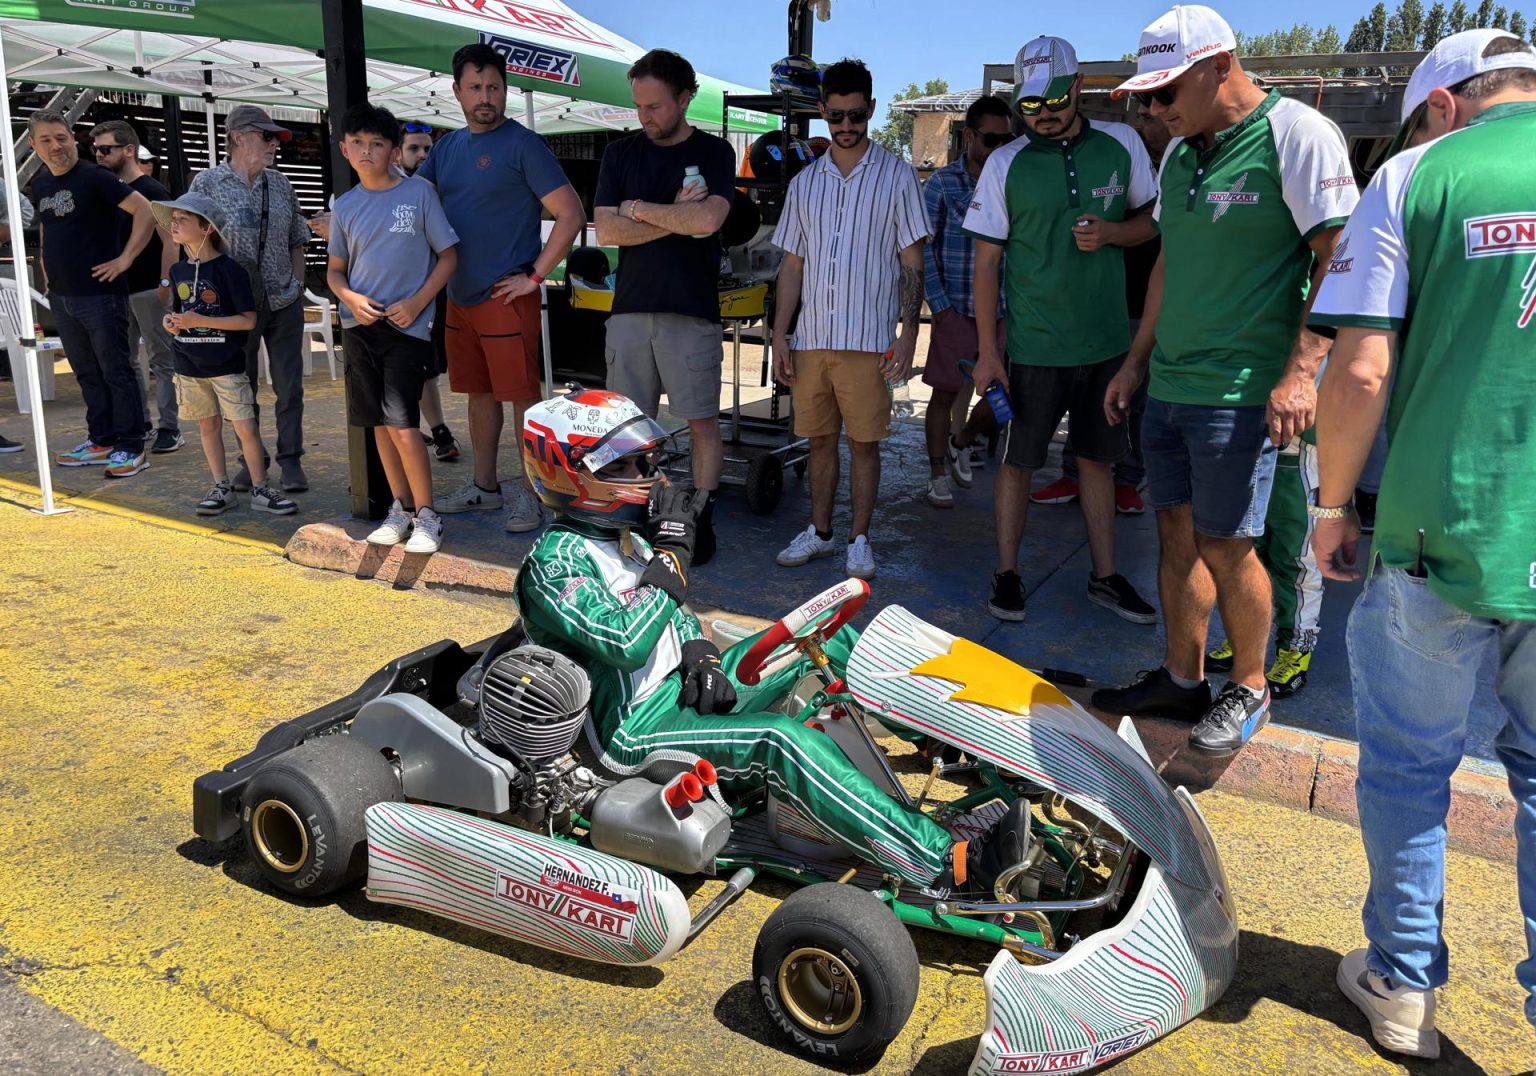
pixel 939 493
pixel 861 558
pixel 1402 1019
pixel 396 525
pixel 426 532
pixel 806 547
pixel 960 464
pixel 468 498
pixel 527 513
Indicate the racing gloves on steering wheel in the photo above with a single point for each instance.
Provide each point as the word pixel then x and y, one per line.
pixel 706 688
pixel 671 526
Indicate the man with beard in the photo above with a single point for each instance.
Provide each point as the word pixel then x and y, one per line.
pixel 1068 330
pixel 662 196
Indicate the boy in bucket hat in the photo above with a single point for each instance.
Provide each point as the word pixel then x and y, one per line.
pixel 212 313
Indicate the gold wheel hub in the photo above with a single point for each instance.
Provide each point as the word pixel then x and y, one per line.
pixel 281 839
pixel 820 991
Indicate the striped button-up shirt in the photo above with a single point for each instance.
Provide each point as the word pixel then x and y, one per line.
pixel 851 230
pixel 949 259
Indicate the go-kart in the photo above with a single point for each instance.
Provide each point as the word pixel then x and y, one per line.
pixel 453 782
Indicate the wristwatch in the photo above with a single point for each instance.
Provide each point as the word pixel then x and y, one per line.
pixel 165 282
pixel 1330 513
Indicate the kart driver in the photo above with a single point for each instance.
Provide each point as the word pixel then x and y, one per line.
pixel 605 585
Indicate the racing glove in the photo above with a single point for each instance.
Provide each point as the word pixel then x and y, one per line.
pixel 706 688
pixel 671 526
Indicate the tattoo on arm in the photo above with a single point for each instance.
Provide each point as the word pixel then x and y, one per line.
pixel 911 297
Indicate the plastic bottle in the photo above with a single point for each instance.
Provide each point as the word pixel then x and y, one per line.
pixel 901 394
pixel 691 179
pixel 996 396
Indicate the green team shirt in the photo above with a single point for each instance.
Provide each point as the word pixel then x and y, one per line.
pixel 1236 219
pixel 1065 307
pixel 1443 250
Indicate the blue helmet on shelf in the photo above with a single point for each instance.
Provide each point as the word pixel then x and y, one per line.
pixel 797 75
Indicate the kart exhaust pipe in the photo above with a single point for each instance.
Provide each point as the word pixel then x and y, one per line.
pixel 735 886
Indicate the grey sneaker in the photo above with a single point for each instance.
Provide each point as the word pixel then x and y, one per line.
pixel 861 558
pixel 396 525
pixel 468 498
pixel 427 533
pixel 960 465
pixel 267 499
pixel 939 493
pixel 220 499
pixel 294 478
pixel 1402 1019
pixel 806 547
pixel 527 513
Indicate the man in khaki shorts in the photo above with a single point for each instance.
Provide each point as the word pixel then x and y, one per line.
pixel 852 232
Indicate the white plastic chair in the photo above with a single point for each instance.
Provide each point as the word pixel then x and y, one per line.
pixel 13 326
pixel 322 325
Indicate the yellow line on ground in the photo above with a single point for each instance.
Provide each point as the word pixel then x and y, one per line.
pixel 122 512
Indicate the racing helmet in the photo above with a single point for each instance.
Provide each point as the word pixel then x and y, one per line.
pixel 797 75
pixel 777 157
pixel 571 446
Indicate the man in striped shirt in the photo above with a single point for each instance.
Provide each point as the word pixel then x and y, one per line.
pixel 852 232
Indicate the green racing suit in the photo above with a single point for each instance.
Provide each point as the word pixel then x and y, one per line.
pixel 579 593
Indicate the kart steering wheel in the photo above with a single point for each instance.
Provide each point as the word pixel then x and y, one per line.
pixel 842 601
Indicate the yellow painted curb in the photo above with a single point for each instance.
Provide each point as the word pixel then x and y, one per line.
pixel 108 508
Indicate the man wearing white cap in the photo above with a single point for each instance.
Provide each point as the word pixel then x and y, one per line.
pixel 1067 323
pixel 1254 190
pixel 1433 292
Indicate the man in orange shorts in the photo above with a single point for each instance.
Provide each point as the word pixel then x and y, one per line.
pixel 494 176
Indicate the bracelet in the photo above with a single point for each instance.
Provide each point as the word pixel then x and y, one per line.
pixel 634 205
pixel 1329 513
pixel 536 278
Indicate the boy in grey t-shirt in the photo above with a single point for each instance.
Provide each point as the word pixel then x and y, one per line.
pixel 391 252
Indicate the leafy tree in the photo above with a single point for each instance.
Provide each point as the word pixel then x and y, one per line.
pixel 1484 16
pixel 896 135
pixel 1434 26
pixel 1409 19
pixel 1327 42
pixel 1457 20
pixel 1377 21
pixel 1517 24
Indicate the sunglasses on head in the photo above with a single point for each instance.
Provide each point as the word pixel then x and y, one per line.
pixel 852 115
pixel 1031 106
pixel 417 128
pixel 102 150
pixel 992 141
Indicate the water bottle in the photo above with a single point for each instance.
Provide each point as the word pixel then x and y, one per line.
pixel 996 396
pixel 692 179
pixel 901 394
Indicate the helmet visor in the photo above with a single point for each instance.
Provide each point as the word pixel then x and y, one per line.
pixel 640 436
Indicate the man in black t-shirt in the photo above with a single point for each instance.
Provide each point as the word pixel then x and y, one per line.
pixel 116 146
pixel 662 196
pixel 86 262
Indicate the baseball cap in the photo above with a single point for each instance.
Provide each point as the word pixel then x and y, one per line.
pixel 1174 43
pixel 1044 68
pixel 145 154
pixel 1454 60
pixel 200 204
pixel 243 116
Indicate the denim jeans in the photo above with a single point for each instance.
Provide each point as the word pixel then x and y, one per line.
pixel 1219 460
pixel 93 330
pixel 1413 661
pixel 283 331
pixel 148 314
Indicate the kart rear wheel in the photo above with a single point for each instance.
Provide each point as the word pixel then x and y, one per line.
pixel 302 813
pixel 836 972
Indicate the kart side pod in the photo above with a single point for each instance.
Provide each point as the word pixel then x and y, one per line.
pixel 522 885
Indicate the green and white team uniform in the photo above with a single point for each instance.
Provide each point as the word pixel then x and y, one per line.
pixel 1062 302
pixel 1236 220
pixel 579 593
pixel 1451 266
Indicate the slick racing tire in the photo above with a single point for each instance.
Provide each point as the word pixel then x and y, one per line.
pixel 836 972
pixel 302 813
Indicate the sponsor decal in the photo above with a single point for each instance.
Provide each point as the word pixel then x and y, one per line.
pixel 179 9
pixel 483 161
pixel 1507 233
pixel 789 1027
pixel 1158 49
pixel 526 16
pixel 571 587
pixel 570 897
pixel 1065 1061
pixel 1336 181
pixel 1123 1045
pixel 1224 200
pixel 975 205
pixel 1205 50
pixel 1339 263
pixel 1111 191
pixel 1034 60
pixel 542 62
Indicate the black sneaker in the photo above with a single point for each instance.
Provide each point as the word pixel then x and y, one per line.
pixel 1365 508
pixel 167 441
pixel 1232 721
pixel 294 478
pixel 1154 694
pixel 7 445
pixel 1116 594
pixel 445 448
pixel 1007 601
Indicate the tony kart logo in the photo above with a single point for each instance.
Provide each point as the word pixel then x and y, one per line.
pixel 1065 1061
pixel 570 897
pixel 1234 195
pixel 1112 190
pixel 1339 263
pixel 536 61
pixel 1507 233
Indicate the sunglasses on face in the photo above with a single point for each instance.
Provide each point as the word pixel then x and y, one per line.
pixel 101 150
pixel 417 128
pixel 852 115
pixel 992 141
pixel 266 136
pixel 1031 106
pixel 1163 95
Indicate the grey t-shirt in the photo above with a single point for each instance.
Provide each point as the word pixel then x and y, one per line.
pixel 390 240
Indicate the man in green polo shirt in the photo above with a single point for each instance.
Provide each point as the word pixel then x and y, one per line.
pixel 1433 292
pixel 1067 322
pixel 1253 192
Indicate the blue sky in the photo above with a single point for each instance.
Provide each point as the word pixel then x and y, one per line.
pixel 912 41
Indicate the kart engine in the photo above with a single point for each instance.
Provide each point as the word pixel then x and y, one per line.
pixel 532 704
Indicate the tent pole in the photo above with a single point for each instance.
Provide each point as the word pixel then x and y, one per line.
pixel 213 142
pixel 29 349
pixel 528 118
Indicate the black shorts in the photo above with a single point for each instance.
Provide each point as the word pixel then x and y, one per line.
pixel 386 369
pixel 1040 395
pixel 439 335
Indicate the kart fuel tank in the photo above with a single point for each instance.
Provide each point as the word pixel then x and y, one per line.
pixel 521 885
pixel 632 820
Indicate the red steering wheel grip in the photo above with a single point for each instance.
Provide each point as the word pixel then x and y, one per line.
pixel 847 597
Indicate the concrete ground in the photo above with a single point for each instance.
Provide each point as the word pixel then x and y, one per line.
pixel 936 562
pixel 138 657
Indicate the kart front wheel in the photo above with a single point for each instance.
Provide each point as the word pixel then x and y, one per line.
pixel 836 972
pixel 302 813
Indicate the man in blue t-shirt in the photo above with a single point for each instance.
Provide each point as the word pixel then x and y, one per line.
pixel 494 176
pixel 662 196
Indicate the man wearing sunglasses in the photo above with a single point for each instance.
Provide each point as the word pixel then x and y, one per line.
pixel 1432 297
pixel 1068 329
pixel 266 235
pixel 852 233
pixel 1254 190
pixel 949 264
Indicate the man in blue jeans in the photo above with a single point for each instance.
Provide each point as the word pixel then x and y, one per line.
pixel 85 263
pixel 1253 192
pixel 1433 292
